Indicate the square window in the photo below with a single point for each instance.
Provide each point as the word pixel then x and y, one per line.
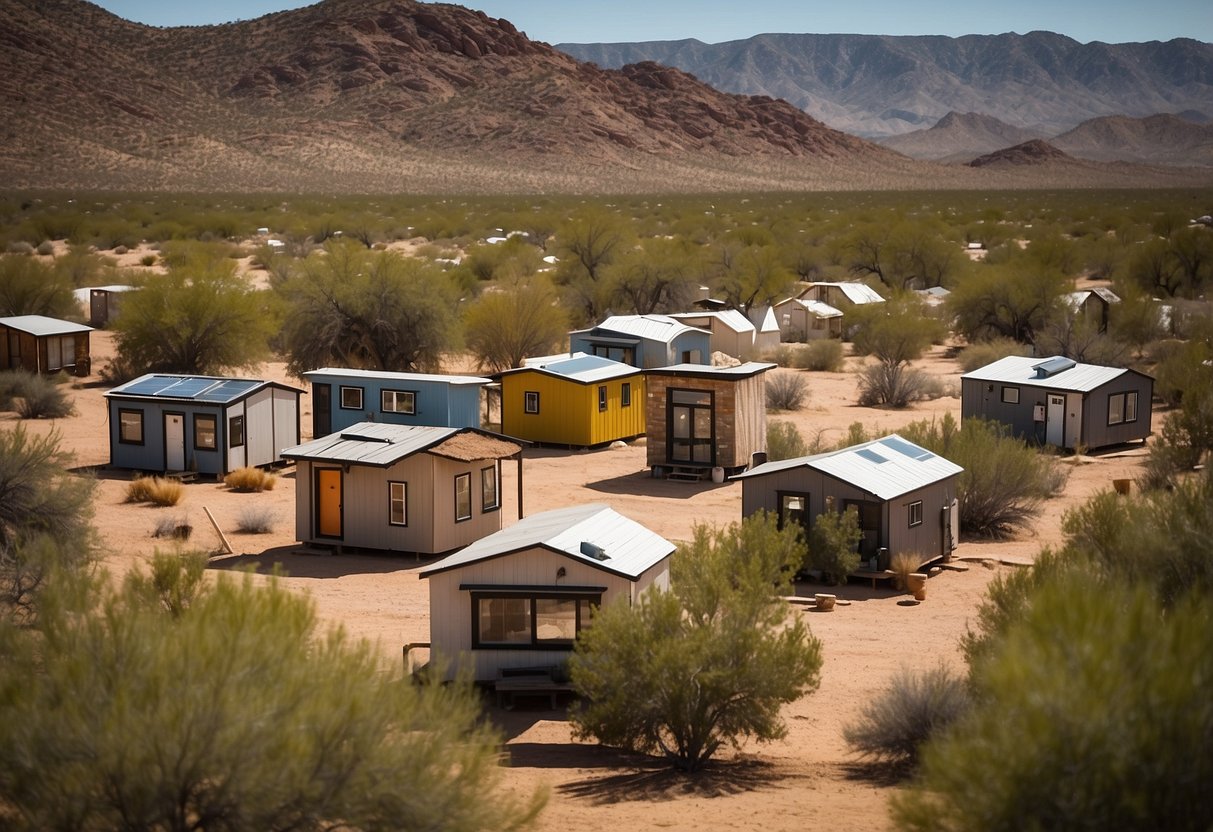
pixel 625 394
pixel 916 513
pixel 555 620
pixel 602 398
pixel 504 621
pixel 1010 395
pixel 463 497
pixel 130 427
pixel 1116 408
pixel 398 503
pixel 351 398
pixel 235 431
pixel 530 402
pixel 399 401
pixel 488 488
pixel 204 433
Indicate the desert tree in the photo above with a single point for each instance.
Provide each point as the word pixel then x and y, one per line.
pixel 169 702
pixel 907 255
pixel 30 287
pixel 1013 301
pixel 750 276
pixel 895 333
pixel 658 275
pixel 707 662
pixel 834 545
pixel 586 244
pixel 509 323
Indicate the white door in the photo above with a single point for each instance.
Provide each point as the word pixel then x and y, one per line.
pixel 1055 424
pixel 174 442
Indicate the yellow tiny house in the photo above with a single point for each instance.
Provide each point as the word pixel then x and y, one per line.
pixel 574 399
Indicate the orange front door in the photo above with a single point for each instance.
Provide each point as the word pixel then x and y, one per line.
pixel 328 502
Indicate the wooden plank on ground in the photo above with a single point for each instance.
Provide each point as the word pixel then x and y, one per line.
pixel 226 545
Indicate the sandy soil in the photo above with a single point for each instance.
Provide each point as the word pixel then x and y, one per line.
pixel 808 777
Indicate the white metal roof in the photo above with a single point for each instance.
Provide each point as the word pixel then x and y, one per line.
pixel 731 318
pixel 649 327
pixel 1021 370
pixel 854 292
pixel 623 546
pixel 83 295
pixel 579 367
pixel 40 325
pixel 765 319
pixel 746 370
pixel 886 467
pixel 1074 300
pixel 335 372
pixel 375 443
pixel 816 308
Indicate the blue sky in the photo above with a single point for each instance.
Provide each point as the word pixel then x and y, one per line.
pixel 713 21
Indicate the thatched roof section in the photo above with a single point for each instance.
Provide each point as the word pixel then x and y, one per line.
pixel 470 446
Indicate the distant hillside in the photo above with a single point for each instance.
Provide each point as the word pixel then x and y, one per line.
pixel 877 86
pixel 1034 152
pixel 958 137
pixel 1160 139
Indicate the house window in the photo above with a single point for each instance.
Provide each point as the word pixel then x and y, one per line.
pixel 625 394
pixel 463 497
pixel 528 621
pixel 130 427
pixel 602 398
pixel 60 351
pixel 530 402
pixel 235 431
pixel 794 508
pixel 916 513
pixel 488 488
pixel 690 357
pixel 204 433
pixel 1010 395
pixel 351 398
pixel 398 503
pixel 1122 407
pixel 399 401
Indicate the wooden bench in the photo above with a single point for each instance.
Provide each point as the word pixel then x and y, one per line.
pixel 874 575
pixel 537 682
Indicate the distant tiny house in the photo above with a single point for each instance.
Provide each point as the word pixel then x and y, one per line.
pixel 1058 401
pixel 207 424
pixel 732 332
pixel 400 488
pixel 519 597
pixel 700 417
pixel 807 320
pixel 343 397
pixel 39 344
pixel 644 341
pixel 102 302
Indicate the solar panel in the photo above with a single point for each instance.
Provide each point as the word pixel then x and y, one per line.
pixel 869 454
pixel 187 388
pixel 906 448
pixel 228 390
pixel 148 386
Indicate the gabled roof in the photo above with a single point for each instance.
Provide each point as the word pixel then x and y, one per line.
pixel 885 468
pixel 384 375
pixel 578 367
pixel 750 368
pixel 593 534
pixel 40 325
pixel 852 291
pixel 648 327
pixel 731 318
pixel 1056 373
pixel 381 445
pixel 816 308
pixel 202 389
pixel 764 319
pixel 1075 300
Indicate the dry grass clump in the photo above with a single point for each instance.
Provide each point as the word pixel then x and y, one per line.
pixel 176 527
pixel 256 520
pixel 901 565
pixel 786 391
pixel 824 356
pixel 156 490
pixel 250 479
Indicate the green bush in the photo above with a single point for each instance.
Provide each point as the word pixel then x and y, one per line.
pixel 19 247
pixel 786 391
pixel 895 385
pixel 897 723
pixel 46 248
pixel 784 441
pixel 824 355
pixel 832 545
pixel 978 355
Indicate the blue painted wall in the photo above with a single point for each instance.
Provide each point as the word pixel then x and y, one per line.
pixel 437 403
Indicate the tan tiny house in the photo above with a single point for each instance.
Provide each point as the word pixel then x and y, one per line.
pixel 702 417
pixel 519 597
pixel 400 488
pixel 39 344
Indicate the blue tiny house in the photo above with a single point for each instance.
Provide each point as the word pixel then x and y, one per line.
pixel 207 424
pixel 342 397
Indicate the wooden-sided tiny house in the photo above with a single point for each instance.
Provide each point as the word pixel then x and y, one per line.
pixel 38 344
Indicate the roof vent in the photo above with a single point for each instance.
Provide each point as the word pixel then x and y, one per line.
pixel 362 437
pixel 1053 366
pixel 592 551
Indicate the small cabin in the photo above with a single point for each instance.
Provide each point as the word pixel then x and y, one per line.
pixel 644 341
pixel 698 418
pixel 207 424
pixel 101 303
pixel 1060 402
pixel 400 488
pixel 732 332
pixel 905 496
pixel 807 320
pixel 342 397
pixel 518 598
pixel 1092 306
pixel 38 344
pixel 843 296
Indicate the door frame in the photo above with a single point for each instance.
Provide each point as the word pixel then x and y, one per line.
pixel 1061 420
pixel 317 410
pixel 316 472
pixel 710 407
pixel 164 429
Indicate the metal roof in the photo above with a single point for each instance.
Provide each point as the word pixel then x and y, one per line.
pixel 886 467
pixel 594 534
pixel 816 308
pixel 746 370
pixel 377 444
pixel 205 389
pixel 1021 370
pixel 649 327
pixel 731 318
pixel 83 295
pixel 1075 300
pixel 384 375
pixel 40 325
pixel 854 292
pixel 578 367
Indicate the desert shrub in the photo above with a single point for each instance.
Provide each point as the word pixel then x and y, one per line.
pixel 978 355
pixel 824 355
pixel 10 384
pixel 784 441
pixel 918 706
pixel 38 397
pixel 255 520
pixel 832 545
pixel 19 247
pixel 250 479
pixel 176 527
pixel 45 248
pixel 895 385
pixel 160 491
pixel 901 565
pixel 147 260
pixel 786 391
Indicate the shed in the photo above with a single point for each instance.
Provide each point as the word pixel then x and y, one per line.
pixel 342 397
pixel 39 344
pixel 841 295
pixel 101 303
pixel 698 418
pixel 401 488
pixel 644 341
pixel 1058 401
pixel 577 400
pixel 519 597
pixel 732 333
pixel 905 495
pixel 1091 305
pixel 806 320
pixel 766 325
pixel 207 424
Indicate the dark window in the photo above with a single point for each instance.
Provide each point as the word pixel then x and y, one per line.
pixel 488 488
pixel 398 503
pixel 539 620
pixel 204 433
pixel 916 513
pixel 625 394
pixel 794 508
pixel 351 398
pixel 463 497
pixel 602 398
pixel 530 402
pixel 399 401
pixel 130 427
pixel 235 431
pixel 1010 395
pixel 1122 407
pixel 690 416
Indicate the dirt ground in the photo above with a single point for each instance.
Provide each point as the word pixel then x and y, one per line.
pixel 805 779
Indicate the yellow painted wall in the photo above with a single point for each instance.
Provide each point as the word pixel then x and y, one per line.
pixel 568 411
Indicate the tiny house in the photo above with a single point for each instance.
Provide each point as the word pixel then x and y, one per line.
pixel 101 303
pixel 342 397
pixel 519 597
pixel 1060 402
pixel 807 320
pixel 400 488
pixel 732 332
pixel 698 418
pixel 38 344
pixel 206 424
pixel 577 400
pixel 644 341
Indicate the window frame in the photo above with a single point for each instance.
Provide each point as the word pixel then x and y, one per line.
pixel 485 505
pixel 396 394
pixel 235 428
pixel 625 394
pixel 585 604
pixel 1119 414
pixel 466 477
pixel 341 391
pixel 200 418
pixel 530 402
pixel 1013 398
pixel 782 513
pixel 914 508
pixel 132 412
pixel 392 499
pixel 602 398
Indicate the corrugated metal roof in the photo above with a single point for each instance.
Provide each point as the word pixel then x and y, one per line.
pixel 650 327
pixel 731 318
pixel 886 467
pixel 579 367
pixel 627 548
pixel 816 308
pixel 337 372
pixel 746 370
pixel 209 389
pixel 375 444
pixel 1021 370
pixel 855 292
pixel 1075 300
pixel 40 325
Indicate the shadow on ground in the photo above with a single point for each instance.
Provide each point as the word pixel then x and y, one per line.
pixel 302 562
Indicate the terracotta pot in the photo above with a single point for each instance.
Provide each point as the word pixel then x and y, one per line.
pixel 825 601
pixel 916 582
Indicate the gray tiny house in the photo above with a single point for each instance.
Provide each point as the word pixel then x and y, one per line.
pixel 207 424
pixel 644 341
pixel 904 494
pixel 1057 401
pixel 342 397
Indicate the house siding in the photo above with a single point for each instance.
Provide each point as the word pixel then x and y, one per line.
pixel 740 420
pixel 568 410
pixel 437 403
